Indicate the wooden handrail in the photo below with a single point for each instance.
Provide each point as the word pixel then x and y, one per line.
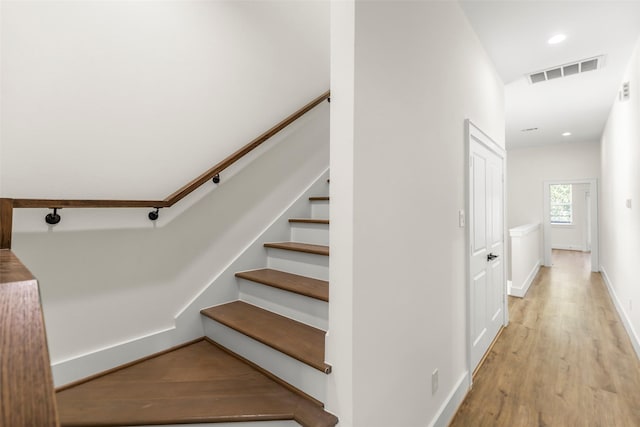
pixel 185 190
pixel 26 384
pixel 6 221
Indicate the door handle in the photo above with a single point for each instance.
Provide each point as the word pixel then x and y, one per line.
pixel 491 257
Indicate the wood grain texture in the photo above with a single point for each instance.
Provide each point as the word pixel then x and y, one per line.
pixel 295 339
pixel 300 247
pixel 488 352
pixel 564 360
pixel 206 176
pixel 6 223
pixel 125 365
pixel 302 285
pixel 186 189
pixel 54 203
pixel 26 383
pixel 11 269
pixel 308 221
pixel 319 198
pixel 197 383
pixel 268 374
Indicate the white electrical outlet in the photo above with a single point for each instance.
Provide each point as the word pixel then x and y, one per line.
pixel 461 219
pixel 434 382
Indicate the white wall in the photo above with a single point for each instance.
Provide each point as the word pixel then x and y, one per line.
pixel 339 341
pixel 528 168
pixel 525 256
pixel 573 236
pixel 414 72
pixel 620 225
pixel 134 99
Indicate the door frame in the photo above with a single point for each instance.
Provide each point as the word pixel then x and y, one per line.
pixel 474 135
pixel 546 235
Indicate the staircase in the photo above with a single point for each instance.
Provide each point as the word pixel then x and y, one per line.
pixel 262 357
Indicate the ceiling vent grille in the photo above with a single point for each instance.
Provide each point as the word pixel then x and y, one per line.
pixel 625 92
pixel 565 70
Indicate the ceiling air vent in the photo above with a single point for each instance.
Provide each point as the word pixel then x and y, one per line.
pixel 565 70
pixel 625 92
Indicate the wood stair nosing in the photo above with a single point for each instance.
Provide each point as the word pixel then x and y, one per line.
pixel 300 247
pixel 302 285
pixel 309 220
pixel 297 340
pixel 319 198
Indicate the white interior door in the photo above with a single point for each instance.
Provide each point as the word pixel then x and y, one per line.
pixel 486 269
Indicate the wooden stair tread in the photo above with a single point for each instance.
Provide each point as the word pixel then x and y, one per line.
pixel 198 383
pixel 300 247
pixel 309 220
pixel 302 285
pixel 319 198
pixel 302 342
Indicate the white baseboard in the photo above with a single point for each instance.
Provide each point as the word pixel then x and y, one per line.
pixel 633 336
pixel 452 403
pixel 91 363
pixel 521 291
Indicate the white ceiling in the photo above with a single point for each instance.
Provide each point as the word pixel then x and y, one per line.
pixel 515 33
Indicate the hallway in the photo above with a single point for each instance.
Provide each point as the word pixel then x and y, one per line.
pixel 564 360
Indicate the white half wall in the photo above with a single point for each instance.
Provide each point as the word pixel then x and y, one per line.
pixel 402 90
pixel 620 202
pixel 526 257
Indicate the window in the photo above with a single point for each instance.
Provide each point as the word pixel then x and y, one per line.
pixel 561 209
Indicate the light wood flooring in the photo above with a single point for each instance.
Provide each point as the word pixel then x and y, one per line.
pixel 564 360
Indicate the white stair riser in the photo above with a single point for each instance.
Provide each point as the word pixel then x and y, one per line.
pixel 303 309
pixel 304 264
pixel 317 234
pixel 296 373
pixel 320 209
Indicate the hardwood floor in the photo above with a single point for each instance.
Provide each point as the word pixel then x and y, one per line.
pixel 564 360
pixel 198 383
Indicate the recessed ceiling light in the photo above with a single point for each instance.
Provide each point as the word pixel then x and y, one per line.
pixel 566 134
pixel 558 38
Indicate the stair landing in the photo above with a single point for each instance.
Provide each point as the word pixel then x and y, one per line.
pixel 198 383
